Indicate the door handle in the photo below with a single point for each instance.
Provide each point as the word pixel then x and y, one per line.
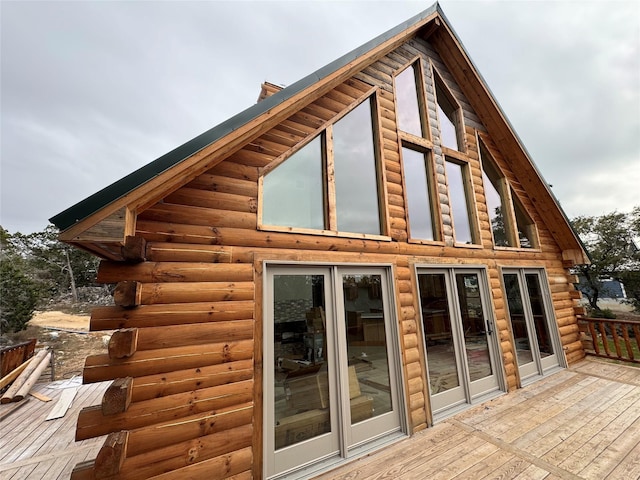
pixel 489 331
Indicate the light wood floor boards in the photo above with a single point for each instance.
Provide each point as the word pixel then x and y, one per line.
pixel 32 448
pixel 581 423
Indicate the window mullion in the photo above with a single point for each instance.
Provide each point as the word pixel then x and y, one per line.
pixel 331 213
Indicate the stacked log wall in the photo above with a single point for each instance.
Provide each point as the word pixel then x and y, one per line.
pixel 192 343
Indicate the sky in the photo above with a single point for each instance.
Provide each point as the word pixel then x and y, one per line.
pixel 90 91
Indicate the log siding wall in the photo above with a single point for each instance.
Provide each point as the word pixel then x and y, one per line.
pixel 191 345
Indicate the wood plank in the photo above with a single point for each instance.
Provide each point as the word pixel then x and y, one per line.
pixel 62 405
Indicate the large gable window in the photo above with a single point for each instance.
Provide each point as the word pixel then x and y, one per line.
pixel 330 184
pixel 419 196
pixel 356 180
pixel 460 201
pixel 449 116
pixel 416 153
pixel 409 101
pixel 510 224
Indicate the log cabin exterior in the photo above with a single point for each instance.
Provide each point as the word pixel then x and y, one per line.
pixel 353 258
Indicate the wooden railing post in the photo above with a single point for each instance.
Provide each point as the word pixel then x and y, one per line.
pixel 597 328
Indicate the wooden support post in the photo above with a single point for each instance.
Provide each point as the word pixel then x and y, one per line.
pixel 127 294
pixel 117 397
pixel 123 343
pixel 134 249
pixel 111 455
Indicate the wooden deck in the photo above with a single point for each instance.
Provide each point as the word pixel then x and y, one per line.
pixel 581 423
pixel 34 448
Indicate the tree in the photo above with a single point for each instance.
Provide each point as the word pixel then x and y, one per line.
pixel 60 267
pixel 19 293
pixel 609 240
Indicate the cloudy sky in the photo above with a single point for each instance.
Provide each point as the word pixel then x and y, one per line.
pixel 91 91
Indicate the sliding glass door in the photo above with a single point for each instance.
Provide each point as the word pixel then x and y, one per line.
pixel 331 365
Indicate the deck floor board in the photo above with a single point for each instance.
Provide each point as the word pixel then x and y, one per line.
pixel 36 449
pixel 579 423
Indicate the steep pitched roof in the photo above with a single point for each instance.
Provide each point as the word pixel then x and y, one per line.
pixel 142 188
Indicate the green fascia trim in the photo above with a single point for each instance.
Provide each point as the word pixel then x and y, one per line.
pixel 120 188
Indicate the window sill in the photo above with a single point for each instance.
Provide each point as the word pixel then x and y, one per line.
pixel 417 241
pixel 323 233
pixel 467 245
pixel 517 249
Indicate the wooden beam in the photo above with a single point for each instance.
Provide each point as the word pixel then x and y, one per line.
pixel 101 367
pixel 113 318
pixel 111 455
pixel 123 343
pixel 149 272
pixel 92 423
pixel 118 396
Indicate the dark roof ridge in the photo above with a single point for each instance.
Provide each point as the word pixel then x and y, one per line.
pixel 118 189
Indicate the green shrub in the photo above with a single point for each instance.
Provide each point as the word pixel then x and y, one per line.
pixel 604 313
pixel 19 296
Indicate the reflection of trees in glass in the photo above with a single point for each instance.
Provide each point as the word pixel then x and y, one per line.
pixel 499 231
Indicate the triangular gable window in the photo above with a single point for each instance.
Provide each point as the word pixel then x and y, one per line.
pixel 510 223
pixel 449 116
pixel 330 184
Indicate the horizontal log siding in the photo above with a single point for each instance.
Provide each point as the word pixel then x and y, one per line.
pixel 197 334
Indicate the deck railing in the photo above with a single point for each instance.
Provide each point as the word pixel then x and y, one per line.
pixel 614 339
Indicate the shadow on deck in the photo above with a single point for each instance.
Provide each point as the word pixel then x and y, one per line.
pixel 581 423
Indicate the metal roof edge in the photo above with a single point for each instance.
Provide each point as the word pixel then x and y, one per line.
pixel 127 184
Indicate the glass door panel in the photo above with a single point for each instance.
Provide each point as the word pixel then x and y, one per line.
pixel 369 373
pixel 300 401
pixel 539 315
pixel 474 327
pixel 439 333
pixel 515 304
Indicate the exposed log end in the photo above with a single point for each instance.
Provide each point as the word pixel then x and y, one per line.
pixel 127 294
pixel 134 249
pixel 123 343
pixel 117 398
pixel 112 454
pixel 83 471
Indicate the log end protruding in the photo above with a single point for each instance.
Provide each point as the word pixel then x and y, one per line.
pixel 127 294
pixel 134 249
pixel 112 454
pixel 123 343
pixel 117 397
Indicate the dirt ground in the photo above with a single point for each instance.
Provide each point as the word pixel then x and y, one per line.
pixel 69 337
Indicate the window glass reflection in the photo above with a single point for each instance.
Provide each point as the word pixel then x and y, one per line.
pixel 418 194
pixel 407 102
pixel 355 172
pixel 293 192
pixel 459 202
